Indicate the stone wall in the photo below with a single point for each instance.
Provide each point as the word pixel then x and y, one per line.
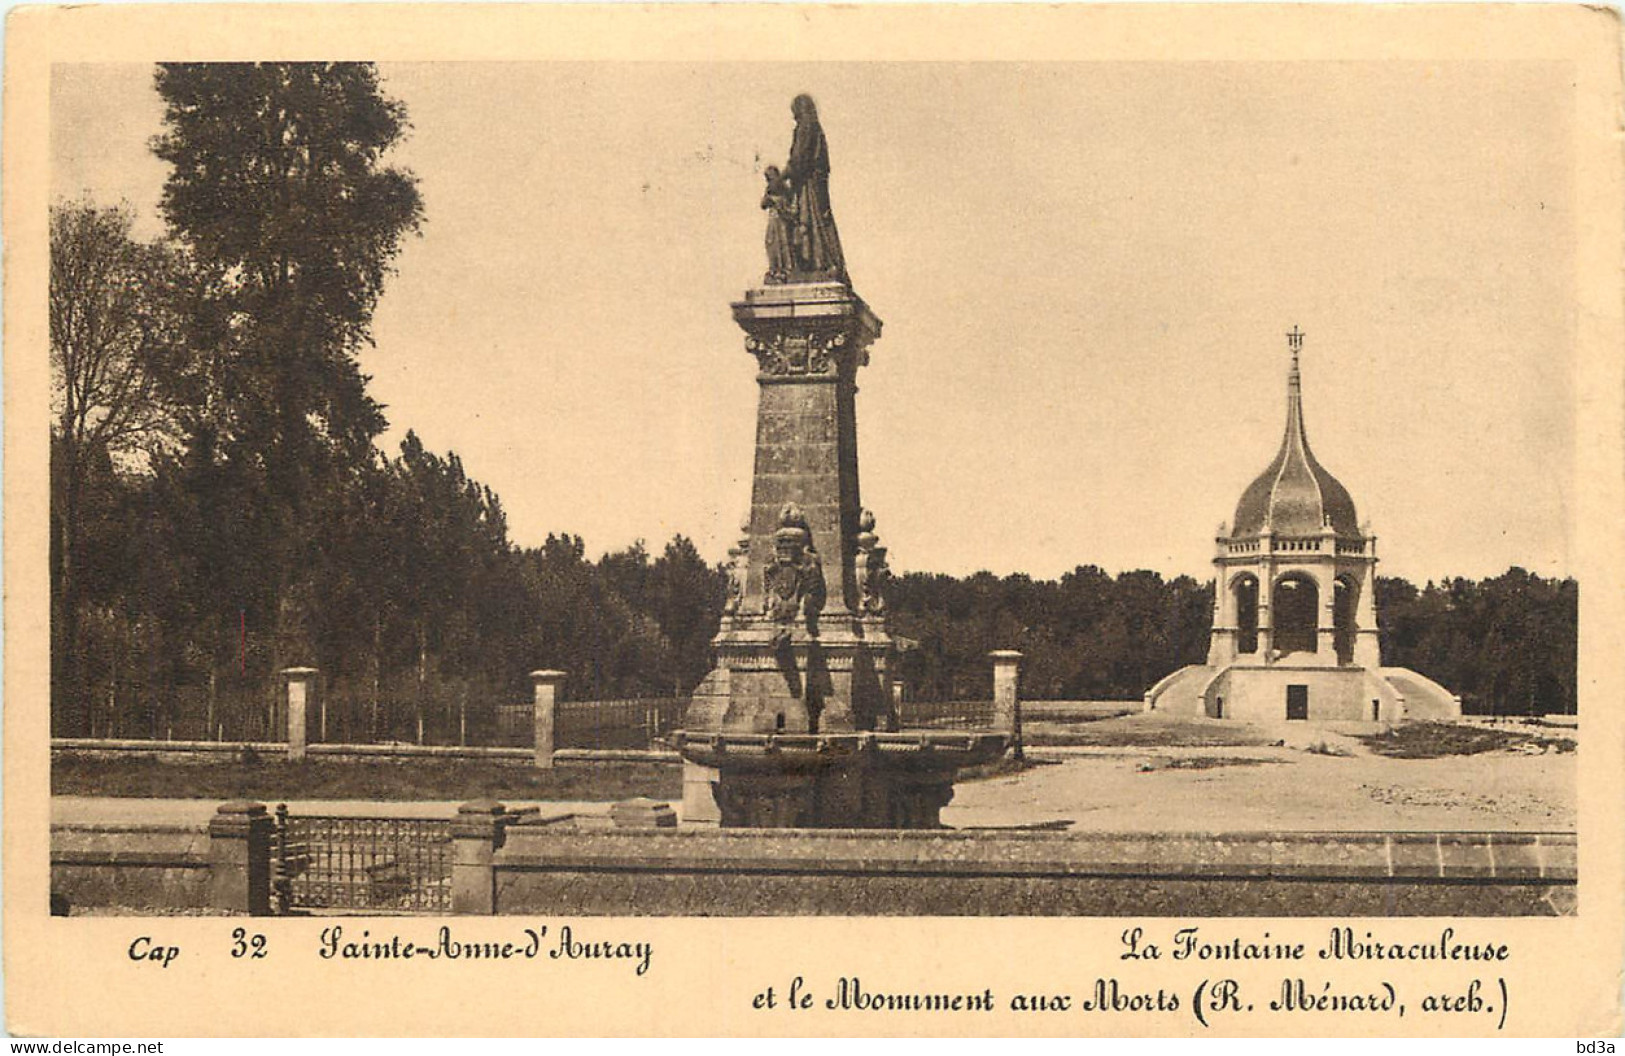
pixel 129 866
pixel 748 873
pixel 217 751
pixel 514 864
pixel 1258 694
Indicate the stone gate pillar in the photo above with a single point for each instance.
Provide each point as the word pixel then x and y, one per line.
pixel 299 680
pixel 240 858
pixel 545 685
pixel 476 834
pixel 1006 697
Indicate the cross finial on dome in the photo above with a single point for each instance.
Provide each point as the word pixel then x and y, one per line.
pixel 1294 341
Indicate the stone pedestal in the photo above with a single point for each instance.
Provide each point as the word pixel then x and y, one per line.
pixel 767 680
pixel 803 646
pixel 793 719
pixel 809 340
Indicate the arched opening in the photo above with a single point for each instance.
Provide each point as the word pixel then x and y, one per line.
pixel 1244 592
pixel 1345 598
pixel 1296 608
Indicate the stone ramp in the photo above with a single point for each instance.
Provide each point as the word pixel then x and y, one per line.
pixel 1425 699
pixel 1181 692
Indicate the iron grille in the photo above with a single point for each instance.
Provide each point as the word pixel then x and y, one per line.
pixel 400 865
pixel 946 715
pixel 607 724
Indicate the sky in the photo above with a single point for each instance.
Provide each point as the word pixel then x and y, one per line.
pixel 1086 272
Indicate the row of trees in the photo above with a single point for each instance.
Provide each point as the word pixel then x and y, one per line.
pixel 220 509
pixel 1506 644
pixel 1086 636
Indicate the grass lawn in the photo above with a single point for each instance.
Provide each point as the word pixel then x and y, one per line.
pixel 1140 731
pixel 1433 740
pixel 391 779
pixel 1202 762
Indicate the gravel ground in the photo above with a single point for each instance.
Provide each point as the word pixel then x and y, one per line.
pixel 1115 790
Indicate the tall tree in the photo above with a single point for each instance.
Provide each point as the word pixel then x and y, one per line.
pixel 112 327
pixel 279 189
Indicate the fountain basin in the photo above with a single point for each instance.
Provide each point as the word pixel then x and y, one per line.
pixel 865 780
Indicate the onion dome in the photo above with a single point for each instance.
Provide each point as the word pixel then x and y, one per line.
pixel 1295 495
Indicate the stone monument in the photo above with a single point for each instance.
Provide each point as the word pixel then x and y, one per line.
pixel 796 718
pixel 1295 605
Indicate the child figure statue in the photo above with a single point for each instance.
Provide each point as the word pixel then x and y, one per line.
pixel 779 201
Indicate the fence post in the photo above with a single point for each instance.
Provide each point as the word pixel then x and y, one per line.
pixel 476 833
pixel 299 679
pixel 240 858
pixel 1006 700
pixel 547 685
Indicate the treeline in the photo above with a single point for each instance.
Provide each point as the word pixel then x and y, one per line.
pixel 1086 636
pixel 421 615
pixel 1506 644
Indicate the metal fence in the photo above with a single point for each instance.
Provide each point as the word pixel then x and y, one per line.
pixel 946 715
pixel 230 710
pixel 443 711
pixel 636 724
pixel 515 725
pixel 397 865
pixel 447 713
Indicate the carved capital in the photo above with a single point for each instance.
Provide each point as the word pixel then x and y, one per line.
pixel 824 352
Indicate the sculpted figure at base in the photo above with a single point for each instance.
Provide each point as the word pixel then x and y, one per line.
pixel 793 584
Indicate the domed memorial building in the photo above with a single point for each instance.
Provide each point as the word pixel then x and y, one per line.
pixel 1294 609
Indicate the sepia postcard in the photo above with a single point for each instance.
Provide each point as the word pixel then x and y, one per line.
pixel 436 563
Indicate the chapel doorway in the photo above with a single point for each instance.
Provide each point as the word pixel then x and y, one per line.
pixel 1297 703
